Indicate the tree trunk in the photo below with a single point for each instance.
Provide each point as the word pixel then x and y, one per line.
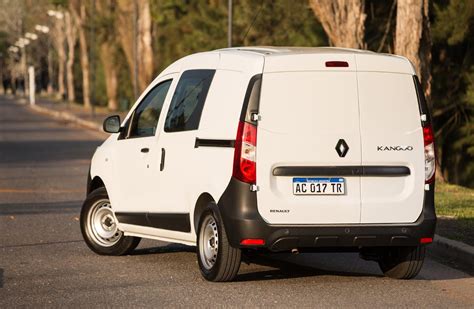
pixel 126 25
pixel 342 20
pixel 71 37
pixel 58 38
pixel 50 72
pixel 144 47
pixel 125 29
pixel 413 40
pixel 108 52
pixel 78 10
pixel 110 71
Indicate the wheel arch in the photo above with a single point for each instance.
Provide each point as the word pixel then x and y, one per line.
pixel 201 205
pixel 95 183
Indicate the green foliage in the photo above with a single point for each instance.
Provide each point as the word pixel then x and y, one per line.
pixel 453 88
pixel 97 77
pixel 380 25
pixel 125 90
pixel 453 21
pixel 4 42
pixel 185 27
pixel 59 3
pixel 276 23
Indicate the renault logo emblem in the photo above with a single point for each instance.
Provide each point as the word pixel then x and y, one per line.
pixel 342 148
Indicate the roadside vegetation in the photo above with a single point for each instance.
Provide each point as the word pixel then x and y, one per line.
pixel 455 210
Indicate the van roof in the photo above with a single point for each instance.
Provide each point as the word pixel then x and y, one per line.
pixel 284 59
pixel 279 59
pixel 290 50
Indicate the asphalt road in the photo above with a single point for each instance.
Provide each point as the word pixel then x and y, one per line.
pixel 44 262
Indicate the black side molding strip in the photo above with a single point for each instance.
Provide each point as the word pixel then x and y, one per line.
pixel 168 221
pixel 202 142
pixel 360 170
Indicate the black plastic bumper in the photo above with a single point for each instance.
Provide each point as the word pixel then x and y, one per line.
pixel 238 209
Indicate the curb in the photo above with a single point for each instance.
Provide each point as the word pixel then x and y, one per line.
pixel 67 116
pixel 454 251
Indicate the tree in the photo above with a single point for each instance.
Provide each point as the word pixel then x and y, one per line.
pixel 59 44
pixel 342 20
pixel 135 38
pixel 453 88
pixel 110 71
pixel 413 38
pixel 78 11
pixel 71 38
pixel 105 21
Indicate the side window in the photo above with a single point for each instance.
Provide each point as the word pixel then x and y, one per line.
pixel 146 115
pixel 188 100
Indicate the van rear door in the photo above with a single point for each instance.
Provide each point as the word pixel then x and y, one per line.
pixel 304 114
pixel 391 135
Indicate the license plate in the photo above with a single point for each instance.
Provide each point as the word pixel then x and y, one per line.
pixel 319 186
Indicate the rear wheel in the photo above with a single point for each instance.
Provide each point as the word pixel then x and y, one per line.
pixel 402 262
pixel 99 226
pixel 218 260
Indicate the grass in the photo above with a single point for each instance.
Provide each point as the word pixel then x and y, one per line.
pixel 455 210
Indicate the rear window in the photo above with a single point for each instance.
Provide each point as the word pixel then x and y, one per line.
pixel 421 99
pixel 188 100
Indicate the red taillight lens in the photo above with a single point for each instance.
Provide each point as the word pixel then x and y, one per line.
pixel 430 158
pixel 245 153
pixel 337 64
pixel 252 242
pixel 428 135
pixel 426 240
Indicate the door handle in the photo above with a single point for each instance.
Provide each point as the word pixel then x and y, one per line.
pixel 162 164
pixel 145 150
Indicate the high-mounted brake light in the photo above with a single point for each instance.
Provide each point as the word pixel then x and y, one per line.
pixel 245 153
pixel 337 64
pixel 430 158
pixel 252 242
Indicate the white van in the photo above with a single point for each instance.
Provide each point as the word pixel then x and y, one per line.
pixel 270 149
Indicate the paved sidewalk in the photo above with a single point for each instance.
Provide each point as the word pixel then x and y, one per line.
pixel 90 118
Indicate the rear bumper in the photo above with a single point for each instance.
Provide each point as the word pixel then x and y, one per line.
pixel 238 209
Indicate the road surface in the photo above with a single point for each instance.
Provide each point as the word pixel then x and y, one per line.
pixel 44 262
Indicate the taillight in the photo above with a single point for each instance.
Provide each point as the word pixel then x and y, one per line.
pixel 245 153
pixel 430 158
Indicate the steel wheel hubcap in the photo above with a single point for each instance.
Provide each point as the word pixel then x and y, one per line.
pixel 209 242
pixel 102 224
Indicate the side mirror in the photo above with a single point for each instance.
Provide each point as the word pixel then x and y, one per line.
pixel 112 124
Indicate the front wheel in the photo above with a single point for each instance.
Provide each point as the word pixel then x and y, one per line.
pixel 218 260
pixel 402 262
pixel 99 226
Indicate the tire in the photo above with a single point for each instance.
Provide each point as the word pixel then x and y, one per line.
pixel 217 259
pixel 402 262
pixel 99 226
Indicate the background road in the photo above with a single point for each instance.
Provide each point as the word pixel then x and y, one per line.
pixel 44 262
